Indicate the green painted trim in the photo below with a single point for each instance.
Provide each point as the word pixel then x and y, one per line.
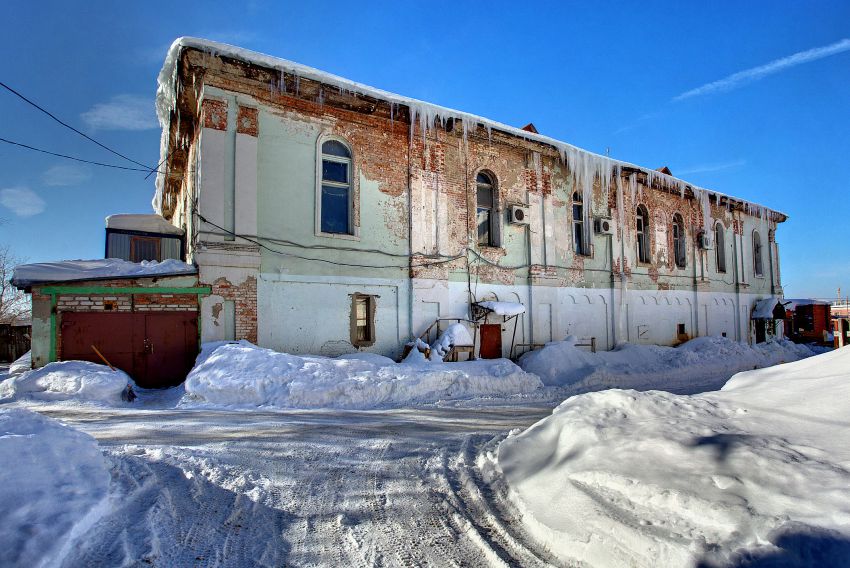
pixel 118 291
pixel 52 356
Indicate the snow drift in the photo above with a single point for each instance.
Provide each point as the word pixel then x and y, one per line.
pixel 53 486
pixel 68 380
pixel 244 375
pixel 704 363
pixel 756 472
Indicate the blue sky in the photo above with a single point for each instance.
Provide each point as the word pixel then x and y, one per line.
pixel 640 79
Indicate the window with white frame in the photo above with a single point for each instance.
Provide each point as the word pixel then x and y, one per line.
pixel 642 228
pixel 679 254
pixel 335 192
pixel 719 247
pixel 579 236
pixel 758 269
pixel 485 210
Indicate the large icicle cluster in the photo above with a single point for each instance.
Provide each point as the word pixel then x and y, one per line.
pixel 585 167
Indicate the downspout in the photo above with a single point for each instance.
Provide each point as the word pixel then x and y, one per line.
pixel 737 281
pixel 410 231
pixel 697 254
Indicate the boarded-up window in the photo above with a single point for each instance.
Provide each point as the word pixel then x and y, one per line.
pixel 362 326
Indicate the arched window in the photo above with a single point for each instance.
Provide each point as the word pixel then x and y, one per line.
pixel 485 208
pixel 719 247
pixel 642 226
pixel 579 236
pixel 335 202
pixel 757 264
pixel 679 241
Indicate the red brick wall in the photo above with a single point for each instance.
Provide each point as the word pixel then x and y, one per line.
pixel 244 297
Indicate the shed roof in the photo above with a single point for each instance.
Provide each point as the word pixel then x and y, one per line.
pixel 27 275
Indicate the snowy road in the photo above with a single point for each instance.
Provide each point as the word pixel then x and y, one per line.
pixel 303 488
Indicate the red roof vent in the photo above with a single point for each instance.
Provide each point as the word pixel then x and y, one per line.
pixel 530 128
pixel 664 170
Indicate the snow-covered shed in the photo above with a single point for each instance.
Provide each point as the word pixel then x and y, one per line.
pixel 142 318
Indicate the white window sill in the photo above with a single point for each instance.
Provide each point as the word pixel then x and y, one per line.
pixel 341 236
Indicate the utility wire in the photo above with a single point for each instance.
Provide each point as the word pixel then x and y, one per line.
pixel 66 125
pixel 115 166
pixel 336 263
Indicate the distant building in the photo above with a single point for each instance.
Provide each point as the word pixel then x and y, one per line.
pixel 329 217
pixel 807 320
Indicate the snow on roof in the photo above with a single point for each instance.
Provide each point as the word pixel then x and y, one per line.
pixel 150 223
pixel 26 275
pixel 764 308
pixel 792 303
pixel 585 166
pixel 503 308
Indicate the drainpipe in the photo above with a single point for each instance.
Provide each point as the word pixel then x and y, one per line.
pixel 410 231
pixel 737 280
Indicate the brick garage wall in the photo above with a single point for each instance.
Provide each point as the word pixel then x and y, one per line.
pixel 117 302
pixel 244 297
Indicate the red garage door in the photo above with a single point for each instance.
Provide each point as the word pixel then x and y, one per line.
pixel 157 349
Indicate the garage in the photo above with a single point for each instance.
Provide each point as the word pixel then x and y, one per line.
pixel 142 318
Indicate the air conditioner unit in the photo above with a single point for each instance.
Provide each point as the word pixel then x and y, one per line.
pixel 603 226
pixel 705 241
pixel 518 215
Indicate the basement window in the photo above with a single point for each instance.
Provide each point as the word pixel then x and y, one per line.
pixel 362 326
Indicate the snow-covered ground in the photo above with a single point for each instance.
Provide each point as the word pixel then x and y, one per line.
pixel 756 474
pixel 411 482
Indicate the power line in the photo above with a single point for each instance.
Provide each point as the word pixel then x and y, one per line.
pixel 336 263
pixel 66 125
pixel 33 148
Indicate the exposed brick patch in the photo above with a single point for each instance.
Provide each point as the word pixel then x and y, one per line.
pixel 244 297
pixel 246 121
pixel 215 114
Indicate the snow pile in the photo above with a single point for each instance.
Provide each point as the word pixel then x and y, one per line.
pixel 68 380
pixel 455 334
pixel 504 308
pixel 74 270
pixel 691 367
pixel 53 486
pixel 757 473
pixel 20 365
pixel 243 375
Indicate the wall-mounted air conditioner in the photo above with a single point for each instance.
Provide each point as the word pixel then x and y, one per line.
pixel 518 215
pixel 603 226
pixel 705 241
